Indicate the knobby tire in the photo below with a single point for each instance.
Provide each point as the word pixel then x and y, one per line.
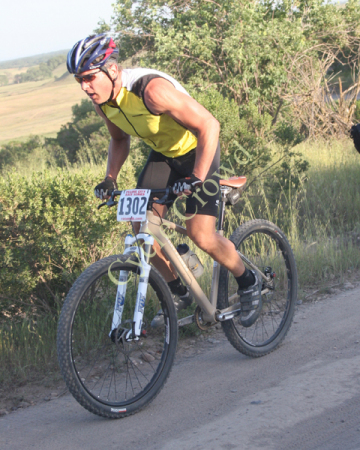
pixel 106 374
pixel 265 245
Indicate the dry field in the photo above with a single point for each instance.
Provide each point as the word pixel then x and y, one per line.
pixel 10 73
pixel 37 107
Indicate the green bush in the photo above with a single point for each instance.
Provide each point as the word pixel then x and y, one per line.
pixel 50 230
pixel 15 151
pixel 4 80
pixel 83 124
pixel 357 112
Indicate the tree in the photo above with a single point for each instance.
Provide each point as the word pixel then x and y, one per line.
pixel 84 123
pixel 249 51
pixel 15 151
pixel 4 80
pixel 41 72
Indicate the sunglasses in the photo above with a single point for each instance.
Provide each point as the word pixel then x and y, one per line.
pixel 86 78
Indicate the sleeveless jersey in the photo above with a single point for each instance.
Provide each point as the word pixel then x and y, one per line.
pixel 162 133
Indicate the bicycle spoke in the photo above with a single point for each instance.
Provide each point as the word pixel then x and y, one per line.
pixel 110 368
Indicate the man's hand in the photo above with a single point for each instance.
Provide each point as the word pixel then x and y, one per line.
pixel 105 188
pixel 187 185
pixel 355 135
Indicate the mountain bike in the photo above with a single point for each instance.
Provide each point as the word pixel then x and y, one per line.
pixel 112 360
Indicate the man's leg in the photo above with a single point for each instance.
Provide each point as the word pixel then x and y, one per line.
pixel 181 294
pixel 201 230
pixel 157 174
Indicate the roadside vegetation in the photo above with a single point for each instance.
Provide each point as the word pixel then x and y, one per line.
pixel 268 71
pixel 50 231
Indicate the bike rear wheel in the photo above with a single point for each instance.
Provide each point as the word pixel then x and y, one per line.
pixel 266 246
pixel 106 374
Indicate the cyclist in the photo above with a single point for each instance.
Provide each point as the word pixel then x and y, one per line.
pixel 355 136
pixel 185 154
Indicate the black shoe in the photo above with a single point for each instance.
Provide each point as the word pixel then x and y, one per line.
pixel 251 304
pixel 180 301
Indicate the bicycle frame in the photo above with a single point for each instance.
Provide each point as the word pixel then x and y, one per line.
pixel 154 226
pixel 152 229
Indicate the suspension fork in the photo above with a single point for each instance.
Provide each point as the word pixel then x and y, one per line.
pixel 121 290
pixel 144 267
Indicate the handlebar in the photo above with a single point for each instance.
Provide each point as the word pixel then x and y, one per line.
pixel 161 201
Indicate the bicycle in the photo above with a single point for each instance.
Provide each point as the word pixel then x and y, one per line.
pixel 113 362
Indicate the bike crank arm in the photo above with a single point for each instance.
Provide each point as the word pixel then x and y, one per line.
pixel 225 314
pixel 186 321
pixel 235 309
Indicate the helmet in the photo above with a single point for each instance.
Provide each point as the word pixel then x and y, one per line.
pixel 91 53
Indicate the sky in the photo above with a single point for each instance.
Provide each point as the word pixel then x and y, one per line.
pixel 32 27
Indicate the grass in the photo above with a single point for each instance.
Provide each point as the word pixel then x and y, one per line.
pixel 322 222
pixel 10 73
pixel 322 218
pixel 328 219
pixel 37 107
pixel 27 348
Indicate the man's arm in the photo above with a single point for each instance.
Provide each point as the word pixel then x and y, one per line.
pixel 119 146
pixel 161 97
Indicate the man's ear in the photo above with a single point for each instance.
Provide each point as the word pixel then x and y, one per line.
pixel 113 71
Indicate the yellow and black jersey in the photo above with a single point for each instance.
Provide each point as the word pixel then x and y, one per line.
pixel 162 133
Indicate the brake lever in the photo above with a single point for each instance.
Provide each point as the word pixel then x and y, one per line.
pixel 164 199
pixel 101 205
pixel 111 202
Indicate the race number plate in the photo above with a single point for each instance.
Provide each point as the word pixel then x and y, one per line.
pixel 132 205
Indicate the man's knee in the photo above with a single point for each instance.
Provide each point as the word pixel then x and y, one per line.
pixel 201 238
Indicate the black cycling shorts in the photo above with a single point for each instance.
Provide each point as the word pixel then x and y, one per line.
pixel 161 171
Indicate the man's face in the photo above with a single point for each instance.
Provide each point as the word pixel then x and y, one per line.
pixel 96 84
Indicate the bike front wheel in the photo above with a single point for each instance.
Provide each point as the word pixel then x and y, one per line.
pixel 266 246
pixel 107 374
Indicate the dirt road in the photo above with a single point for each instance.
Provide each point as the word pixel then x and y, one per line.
pixel 305 395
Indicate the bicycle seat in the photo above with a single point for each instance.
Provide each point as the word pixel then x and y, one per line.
pixel 234 182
